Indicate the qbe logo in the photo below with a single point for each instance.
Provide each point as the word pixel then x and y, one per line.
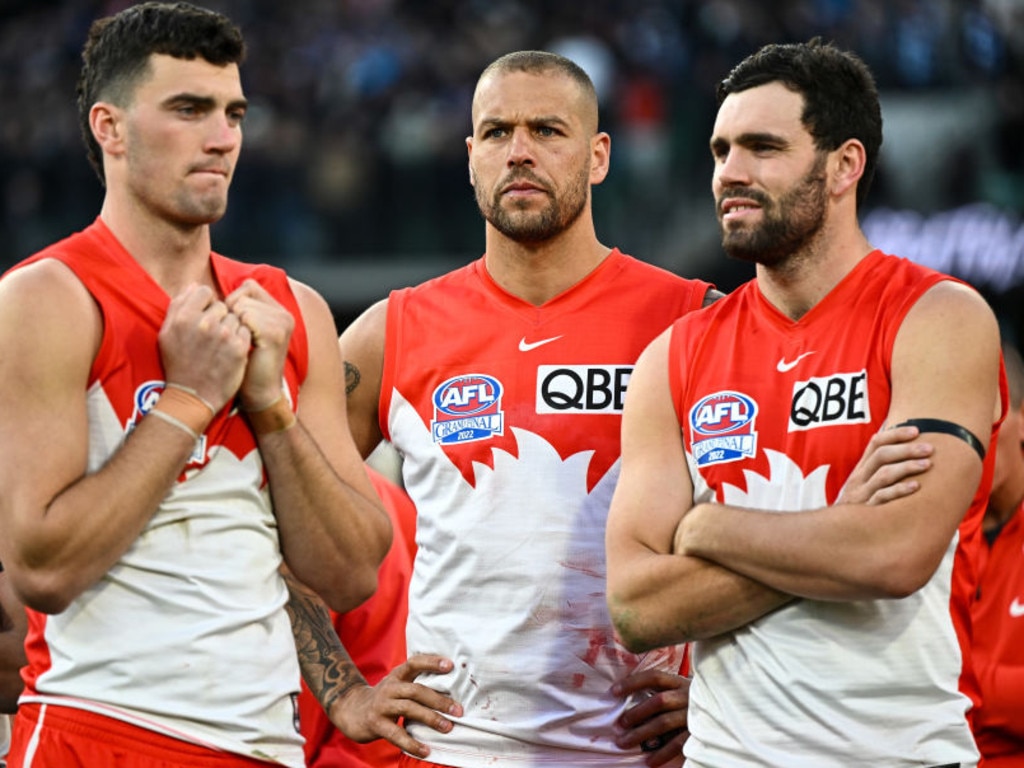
pixel 722 428
pixel 467 408
pixel 841 398
pixel 582 389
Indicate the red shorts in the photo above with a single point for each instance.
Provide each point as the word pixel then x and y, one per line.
pixel 48 736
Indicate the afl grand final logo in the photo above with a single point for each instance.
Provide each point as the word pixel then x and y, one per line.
pixel 722 428
pixel 467 408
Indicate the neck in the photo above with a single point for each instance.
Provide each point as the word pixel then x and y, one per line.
pixel 536 273
pixel 173 255
pixel 795 285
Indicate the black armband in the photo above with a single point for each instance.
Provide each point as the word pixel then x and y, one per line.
pixel 947 428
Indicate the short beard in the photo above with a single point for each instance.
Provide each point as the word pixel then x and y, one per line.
pixel 531 228
pixel 789 225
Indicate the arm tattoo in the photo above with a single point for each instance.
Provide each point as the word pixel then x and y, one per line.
pixel 352 377
pixel 326 666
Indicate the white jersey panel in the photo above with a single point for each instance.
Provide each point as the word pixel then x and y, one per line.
pixel 191 616
pixel 544 648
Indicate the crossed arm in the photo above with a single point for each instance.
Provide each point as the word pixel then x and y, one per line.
pixel 681 572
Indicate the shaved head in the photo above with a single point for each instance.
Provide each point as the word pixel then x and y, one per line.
pixel 543 63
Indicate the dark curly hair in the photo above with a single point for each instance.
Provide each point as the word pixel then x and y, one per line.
pixel 840 96
pixel 117 50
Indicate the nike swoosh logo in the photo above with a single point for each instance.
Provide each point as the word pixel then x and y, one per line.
pixel 525 346
pixel 1016 609
pixel 784 367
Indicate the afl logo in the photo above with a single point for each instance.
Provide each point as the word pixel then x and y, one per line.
pixel 146 396
pixel 467 408
pixel 722 413
pixel 722 428
pixel 467 395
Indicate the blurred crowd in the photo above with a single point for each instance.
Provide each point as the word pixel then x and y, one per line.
pixel 354 142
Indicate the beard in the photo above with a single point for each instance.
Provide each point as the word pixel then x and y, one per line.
pixel 522 225
pixel 788 225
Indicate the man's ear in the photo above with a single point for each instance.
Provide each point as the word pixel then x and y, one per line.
pixel 850 159
pixel 107 124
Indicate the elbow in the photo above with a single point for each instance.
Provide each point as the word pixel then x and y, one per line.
pixel 42 594
pixel 902 576
pixel 48 601
pixel 630 628
pixel 356 590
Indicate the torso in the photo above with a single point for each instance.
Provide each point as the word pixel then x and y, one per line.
pixel 507 416
pixel 186 634
pixel 775 415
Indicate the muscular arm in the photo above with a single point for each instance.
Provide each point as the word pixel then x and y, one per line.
pixel 658 597
pixel 334 531
pixel 12 646
pixel 326 666
pixel 64 528
pixel 945 366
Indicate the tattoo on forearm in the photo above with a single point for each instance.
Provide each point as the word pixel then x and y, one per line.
pixel 352 377
pixel 326 666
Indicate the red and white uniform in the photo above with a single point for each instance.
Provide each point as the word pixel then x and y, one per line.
pixel 998 616
pixel 775 414
pixel 507 416
pixel 186 634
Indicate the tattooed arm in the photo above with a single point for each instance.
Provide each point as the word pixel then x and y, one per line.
pixel 360 711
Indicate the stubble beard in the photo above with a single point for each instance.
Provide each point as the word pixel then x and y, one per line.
pixel 522 225
pixel 789 225
pixel 186 206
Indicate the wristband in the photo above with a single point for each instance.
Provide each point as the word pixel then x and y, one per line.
pixel 196 395
pixel 175 423
pixel 185 410
pixel 275 417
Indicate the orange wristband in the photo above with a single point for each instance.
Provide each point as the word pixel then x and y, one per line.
pixel 276 417
pixel 185 408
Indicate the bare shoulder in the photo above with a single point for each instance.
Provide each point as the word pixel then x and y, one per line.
pixel 949 315
pixel 362 342
pixel 48 279
pixel 316 315
pixel 367 331
pixel 44 307
pixel 946 359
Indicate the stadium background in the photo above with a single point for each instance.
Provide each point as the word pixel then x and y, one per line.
pixel 353 174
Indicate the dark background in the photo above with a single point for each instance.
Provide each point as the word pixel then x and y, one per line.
pixel 353 175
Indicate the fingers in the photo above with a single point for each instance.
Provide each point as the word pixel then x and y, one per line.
pixel 424 663
pixel 646 679
pixel 887 469
pixel 426 703
pixel 670 751
pixel 257 310
pixel 657 721
pixel 366 713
